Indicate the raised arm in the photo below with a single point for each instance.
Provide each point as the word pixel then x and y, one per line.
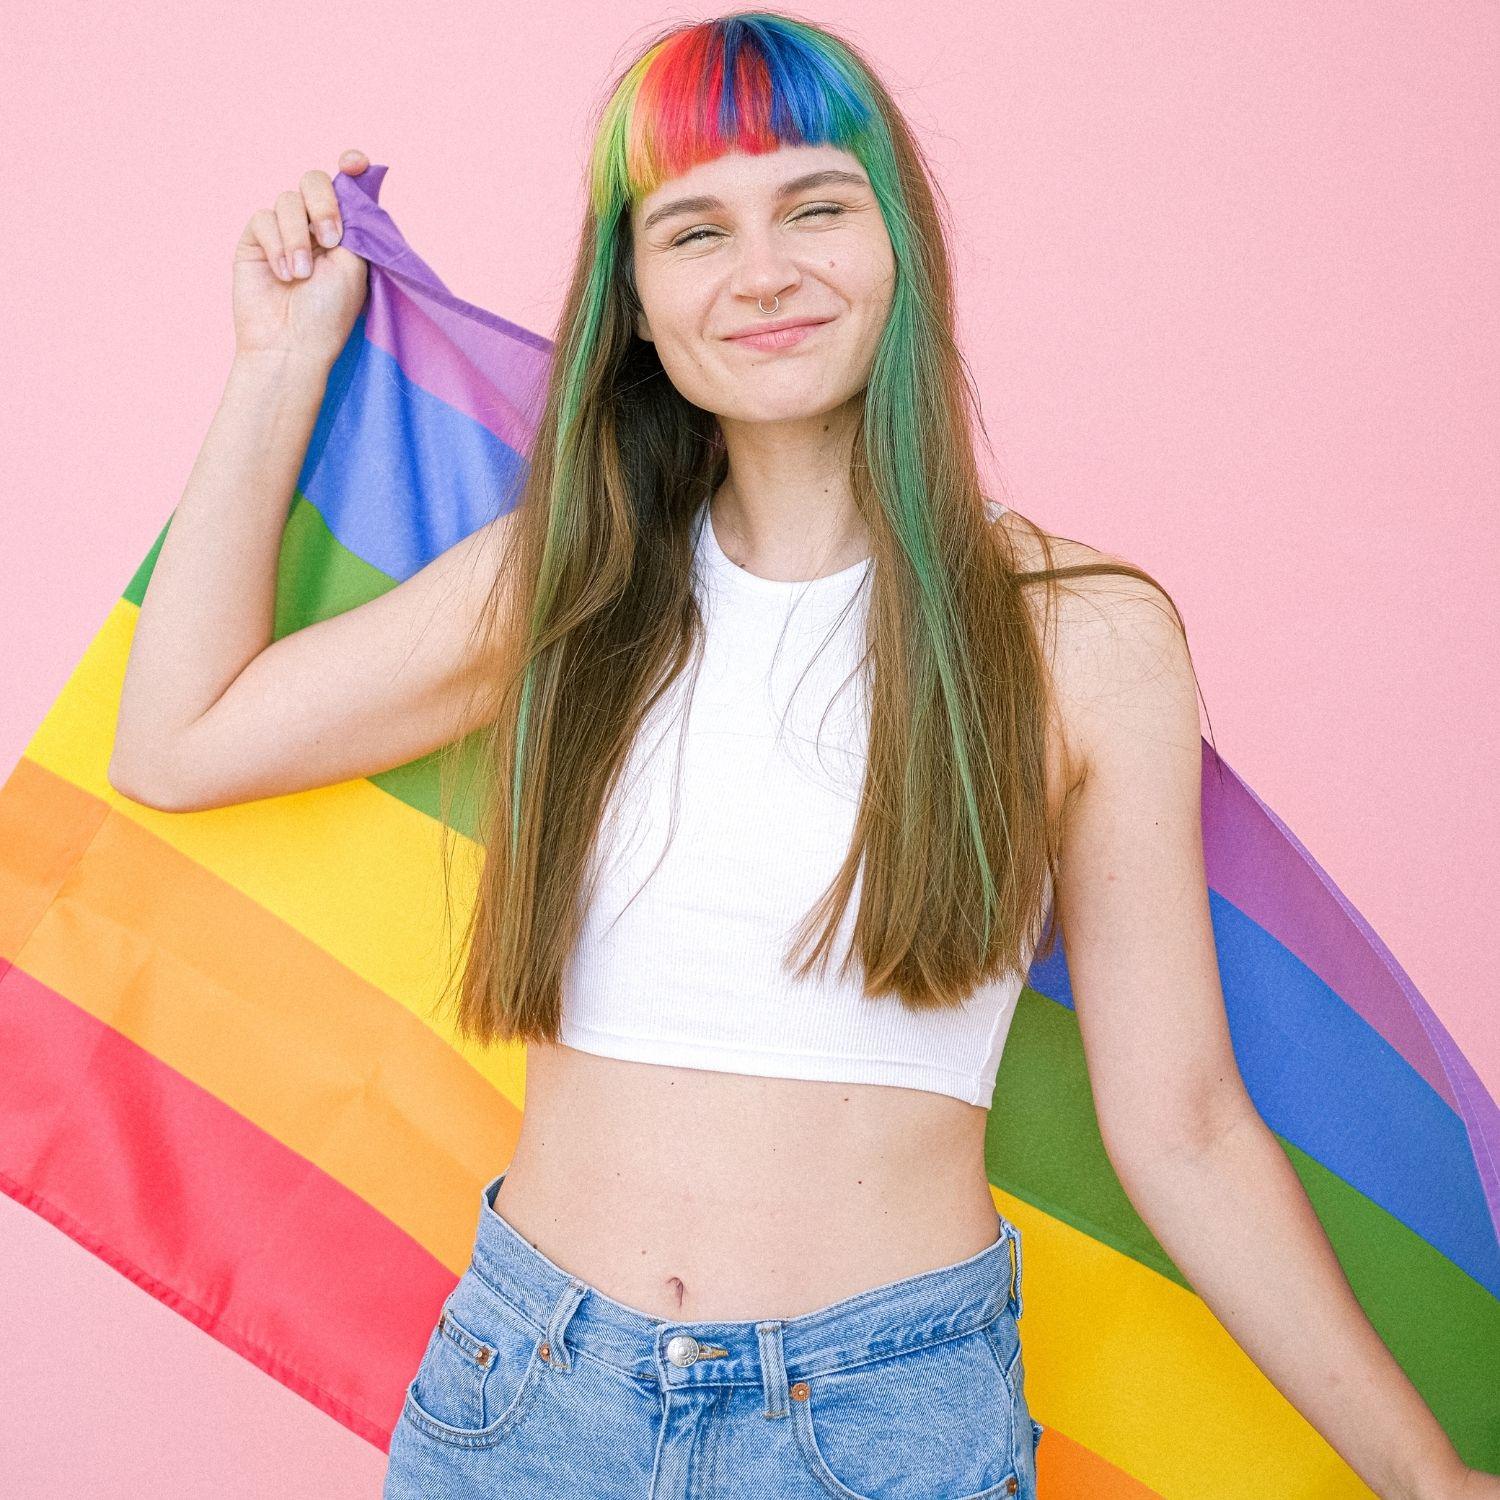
pixel 372 688
pixel 214 711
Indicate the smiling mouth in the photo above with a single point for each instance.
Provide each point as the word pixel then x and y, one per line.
pixel 780 338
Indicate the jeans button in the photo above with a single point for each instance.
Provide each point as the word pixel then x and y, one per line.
pixel 682 1349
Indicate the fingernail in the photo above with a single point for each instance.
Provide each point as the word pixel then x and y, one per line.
pixel 282 269
pixel 328 233
pixel 303 262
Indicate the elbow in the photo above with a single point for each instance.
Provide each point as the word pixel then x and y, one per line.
pixel 1137 1147
pixel 149 786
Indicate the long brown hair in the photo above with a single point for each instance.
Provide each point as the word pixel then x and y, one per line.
pixel 594 614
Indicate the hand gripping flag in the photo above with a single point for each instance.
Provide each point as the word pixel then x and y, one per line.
pixel 220 1073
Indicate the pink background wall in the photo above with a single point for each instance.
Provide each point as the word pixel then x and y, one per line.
pixel 1228 283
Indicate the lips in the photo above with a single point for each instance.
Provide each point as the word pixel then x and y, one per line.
pixel 763 328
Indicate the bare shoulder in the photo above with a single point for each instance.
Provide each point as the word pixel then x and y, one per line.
pixel 1121 672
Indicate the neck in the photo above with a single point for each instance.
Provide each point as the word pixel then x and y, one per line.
pixel 807 536
pixel 785 509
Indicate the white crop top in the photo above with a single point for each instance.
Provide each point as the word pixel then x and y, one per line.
pixel 680 957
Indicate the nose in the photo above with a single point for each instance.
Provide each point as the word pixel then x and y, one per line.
pixel 765 273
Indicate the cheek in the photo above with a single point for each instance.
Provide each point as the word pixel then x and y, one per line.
pixel 864 275
pixel 679 314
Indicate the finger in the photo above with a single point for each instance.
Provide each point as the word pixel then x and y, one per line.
pixel 322 206
pixel 354 162
pixel 291 219
pixel 264 231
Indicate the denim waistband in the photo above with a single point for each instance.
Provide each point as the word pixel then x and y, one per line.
pixel 888 1319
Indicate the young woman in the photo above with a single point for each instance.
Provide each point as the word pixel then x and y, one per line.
pixel 793 740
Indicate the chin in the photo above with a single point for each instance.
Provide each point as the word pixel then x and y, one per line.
pixel 790 413
pixel 778 406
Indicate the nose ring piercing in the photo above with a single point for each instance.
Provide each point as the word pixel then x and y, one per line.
pixel 768 309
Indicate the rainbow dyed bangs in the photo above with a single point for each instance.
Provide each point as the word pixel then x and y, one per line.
pixel 750 82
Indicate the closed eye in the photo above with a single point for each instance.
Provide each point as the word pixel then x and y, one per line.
pixel 822 208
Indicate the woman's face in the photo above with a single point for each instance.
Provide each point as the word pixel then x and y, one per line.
pixel 710 243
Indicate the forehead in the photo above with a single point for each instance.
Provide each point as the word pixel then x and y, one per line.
pixel 743 176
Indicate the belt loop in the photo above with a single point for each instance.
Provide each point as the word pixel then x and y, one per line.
pixel 562 1312
pixel 773 1368
pixel 1015 1277
pixel 487 1196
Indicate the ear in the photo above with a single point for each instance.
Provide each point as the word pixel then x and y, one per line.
pixel 643 328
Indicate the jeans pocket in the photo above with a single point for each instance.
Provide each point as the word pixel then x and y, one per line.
pixel 480 1373
pixel 932 1423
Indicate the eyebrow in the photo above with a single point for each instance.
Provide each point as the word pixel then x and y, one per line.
pixel 703 203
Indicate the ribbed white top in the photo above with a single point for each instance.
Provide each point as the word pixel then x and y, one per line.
pixel 680 959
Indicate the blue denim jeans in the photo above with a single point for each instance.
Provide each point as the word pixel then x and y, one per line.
pixel 535 1383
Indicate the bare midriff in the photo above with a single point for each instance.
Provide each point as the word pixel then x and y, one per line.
pixel 698 1195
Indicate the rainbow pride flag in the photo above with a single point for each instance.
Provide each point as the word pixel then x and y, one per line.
pixel 219 1069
